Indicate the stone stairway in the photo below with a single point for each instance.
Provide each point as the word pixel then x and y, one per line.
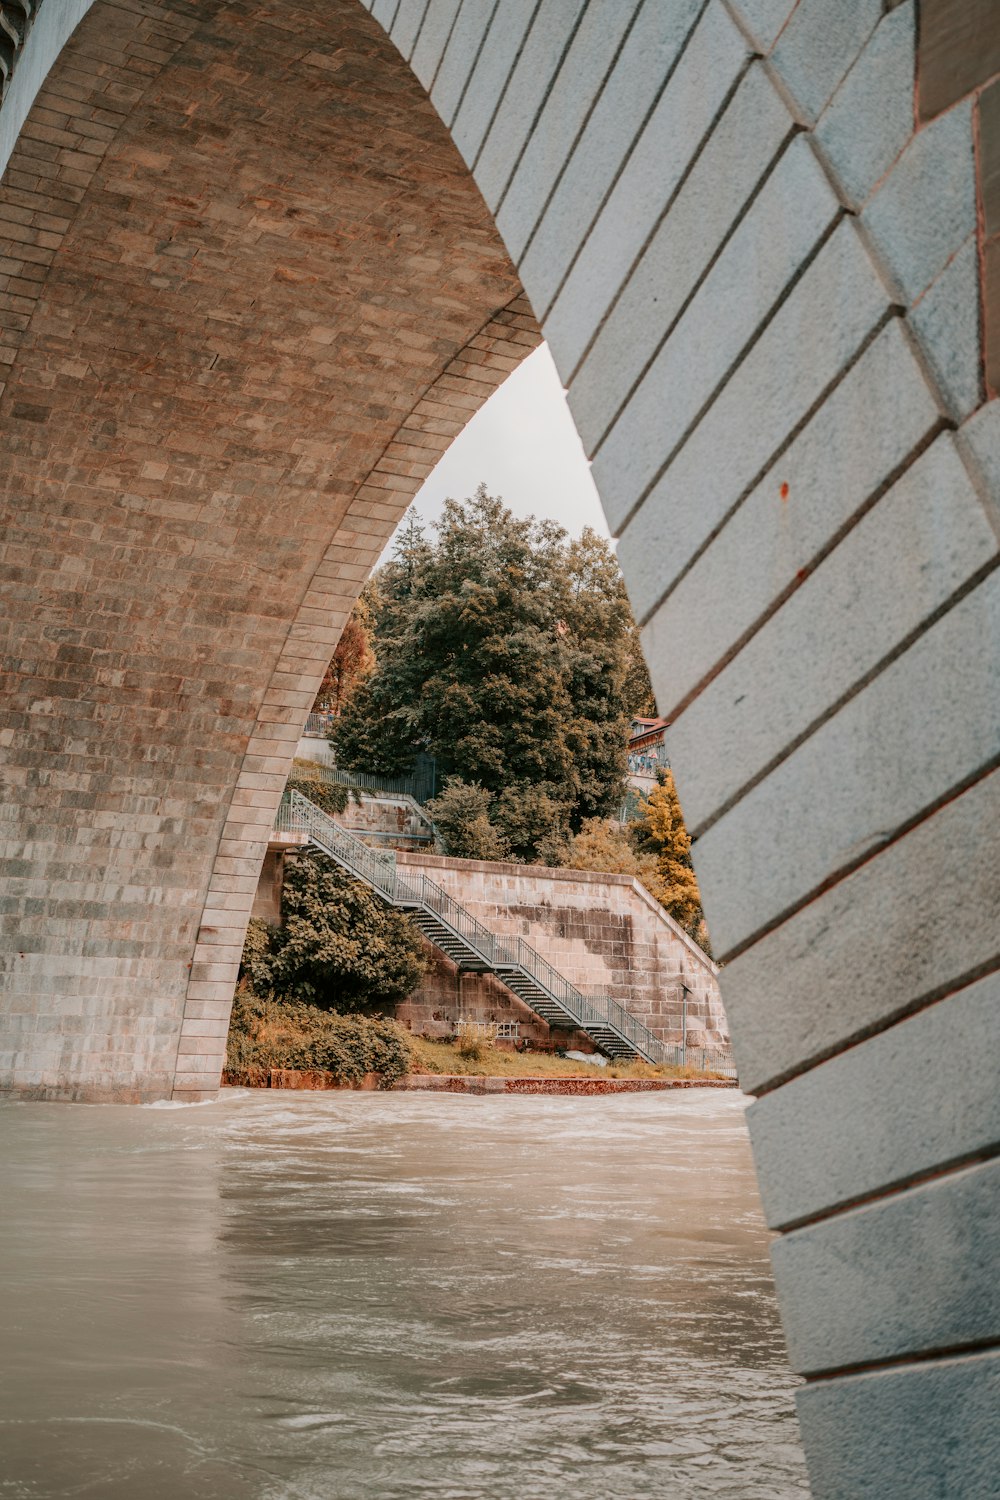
pixel 471 945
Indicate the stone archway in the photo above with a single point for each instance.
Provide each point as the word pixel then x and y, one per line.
pixel 767 270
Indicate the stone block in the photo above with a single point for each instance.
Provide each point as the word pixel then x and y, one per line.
pixel 878 415
pixel 925 724
pixel 708 67
pixel 763 19
pixel 865 599
pixel 489 78
pixel 979 444
pixel 904 1274
pixel 788 219
pixel 646 60
pixel 823 325
pixel 430 39
pixel 911 924
pixel 870 118
pixel 580 77
pixel 946 321
pixel 818 46
pixel 925 209
pixel 467 36
pixel 749 135
pixel 989 158
pixel 959 50
pixel 925 1431
pixel 860 1123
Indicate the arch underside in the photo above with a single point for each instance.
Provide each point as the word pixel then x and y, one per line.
pixel 252 290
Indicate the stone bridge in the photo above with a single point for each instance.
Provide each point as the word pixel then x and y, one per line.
pixel 260 260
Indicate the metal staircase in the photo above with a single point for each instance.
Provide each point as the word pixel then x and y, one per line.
pixel 470 945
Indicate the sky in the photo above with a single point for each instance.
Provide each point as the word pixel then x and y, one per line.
pixel 524 446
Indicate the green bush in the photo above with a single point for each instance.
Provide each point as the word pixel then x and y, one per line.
pixel 329 796
pixel 340 947
pixel 266 1033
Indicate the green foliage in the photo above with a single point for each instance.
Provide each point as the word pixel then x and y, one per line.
pixel 339 948
pixel 328 795
pixel 505 651
pixel 462 819
pixel 266 1033
pixel 603 844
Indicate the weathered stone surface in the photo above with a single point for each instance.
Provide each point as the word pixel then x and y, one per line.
pixel 646 61
pixel 708 207
pixel 927 722
pixel 788 219
pixel 819 45
pixel 764 19
pixel 867 597
pixel 866 430
pixel 820 329
pixel 925 209
pixel 425 44
pixel 909 925
pixel 924 1432
pixel 529 81
pixel 911 1272
pixel 581 75
pixel 959 50
pixel 711 62
pixel 869 120
pixel 946 321
pixel 488 80
pixel 861 1122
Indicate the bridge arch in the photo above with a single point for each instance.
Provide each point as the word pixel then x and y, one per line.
pixel 763 244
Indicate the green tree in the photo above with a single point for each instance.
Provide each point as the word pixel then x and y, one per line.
pixel 462 819
pixel 339 947
pixel 502 649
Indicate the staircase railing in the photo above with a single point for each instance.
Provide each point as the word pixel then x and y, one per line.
pixel 378 869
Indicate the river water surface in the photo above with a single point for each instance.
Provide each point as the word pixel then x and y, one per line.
pixel 370 1296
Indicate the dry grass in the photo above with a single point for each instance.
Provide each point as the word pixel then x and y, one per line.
pixel 446 1057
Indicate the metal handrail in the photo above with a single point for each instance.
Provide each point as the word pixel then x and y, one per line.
pixel 378 869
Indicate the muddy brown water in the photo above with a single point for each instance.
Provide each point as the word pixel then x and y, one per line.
pixel 341 1296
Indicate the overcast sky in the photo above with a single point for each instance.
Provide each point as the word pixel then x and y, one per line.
pixel 524 446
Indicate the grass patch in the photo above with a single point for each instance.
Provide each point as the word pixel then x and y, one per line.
pixel 492 1062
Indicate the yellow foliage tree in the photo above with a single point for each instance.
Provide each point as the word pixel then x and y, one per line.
pixel 660 831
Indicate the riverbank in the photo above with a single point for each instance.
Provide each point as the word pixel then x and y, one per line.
pixel 471 1083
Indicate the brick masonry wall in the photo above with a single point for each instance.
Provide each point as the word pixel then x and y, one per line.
pixel 605 933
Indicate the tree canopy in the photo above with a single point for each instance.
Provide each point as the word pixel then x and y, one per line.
pixel 508 651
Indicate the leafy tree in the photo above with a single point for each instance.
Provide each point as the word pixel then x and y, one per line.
pixel 660 831
pixel 502 649
pixel 603 844
pixel 462 818
pixel 339 948
pixel 352 659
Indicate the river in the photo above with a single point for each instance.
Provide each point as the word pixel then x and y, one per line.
pixel 370 1296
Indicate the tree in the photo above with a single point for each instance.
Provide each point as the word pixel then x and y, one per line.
pixel 351 661
pixel 339 947
pixel 462 819
pixel 502 649
pixel 660 831
pixel 603 844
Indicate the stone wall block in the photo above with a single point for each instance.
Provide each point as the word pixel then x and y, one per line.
pixel 909 925
pixel 946 321
pixel 878 416
pixel 925 209
pixel 820 329
pixel 869 120
pixel 710 64
pixel 860 1122
pixel 488 80
pixel 916 1271
pixel 867 597
pixel 707 209
pixel 906 741
pixel 577 83
pixel 818 46
pixel 788 219
pixel 646 60
pixel 923 1431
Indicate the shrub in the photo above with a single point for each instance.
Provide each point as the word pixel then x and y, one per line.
pixel 462 818
pixel 266 1033
pixel 473 1043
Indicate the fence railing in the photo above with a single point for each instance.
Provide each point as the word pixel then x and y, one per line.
pixel 503 955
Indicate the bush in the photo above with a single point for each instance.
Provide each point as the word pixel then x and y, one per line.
pixel 462 818
pixel 473 1043
pixel 329 796
pixel 266 1033
pixel 340 948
